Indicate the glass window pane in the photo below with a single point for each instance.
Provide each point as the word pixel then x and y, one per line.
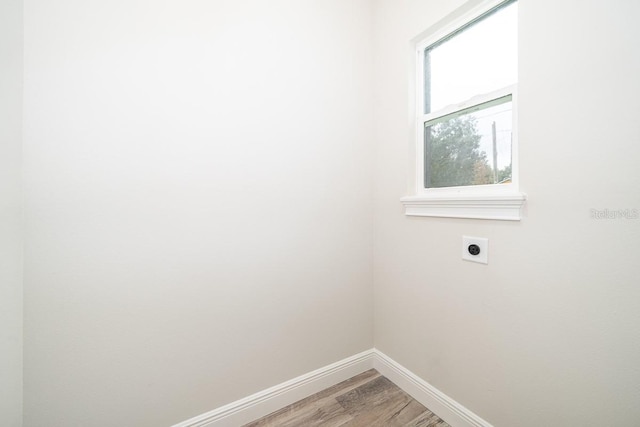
pixel 478 60
pixel 472 147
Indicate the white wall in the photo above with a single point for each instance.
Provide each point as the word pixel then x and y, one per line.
pixel 199 212
pixel 548 329
pixel 198 179
pixel 10 213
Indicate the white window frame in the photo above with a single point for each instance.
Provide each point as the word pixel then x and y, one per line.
pixel 493 201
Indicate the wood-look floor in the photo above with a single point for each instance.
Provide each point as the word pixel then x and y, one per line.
pixel 368 399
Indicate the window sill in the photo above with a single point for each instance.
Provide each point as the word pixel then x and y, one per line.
pixel 506 207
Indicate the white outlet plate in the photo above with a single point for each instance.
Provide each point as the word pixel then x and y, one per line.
pixel 483 244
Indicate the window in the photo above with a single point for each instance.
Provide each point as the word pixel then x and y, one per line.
pixel 466 114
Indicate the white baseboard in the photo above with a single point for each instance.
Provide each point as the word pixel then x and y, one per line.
pixel 439 403
pixel 258 405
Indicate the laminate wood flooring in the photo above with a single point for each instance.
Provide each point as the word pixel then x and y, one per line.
pixel 367 400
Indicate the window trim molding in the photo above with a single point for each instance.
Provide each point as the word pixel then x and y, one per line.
pixel 506 207
pixel 494 201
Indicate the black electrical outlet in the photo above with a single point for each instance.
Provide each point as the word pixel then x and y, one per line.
pixel 474 249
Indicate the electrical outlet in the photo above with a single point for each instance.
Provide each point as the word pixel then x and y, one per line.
pixel 475 249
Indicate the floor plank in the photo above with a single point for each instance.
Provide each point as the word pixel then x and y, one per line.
pixel 427 419
pixel 326 397
pixel 368 399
